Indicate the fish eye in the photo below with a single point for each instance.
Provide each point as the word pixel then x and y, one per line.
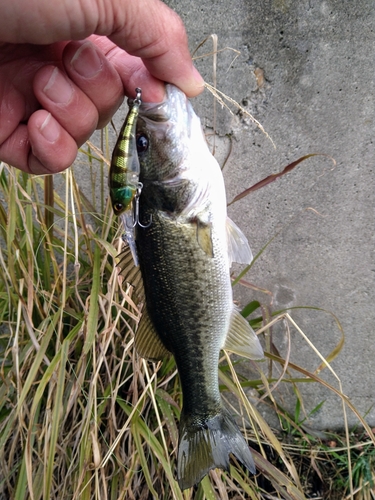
pixel 118 207
pixel 142 143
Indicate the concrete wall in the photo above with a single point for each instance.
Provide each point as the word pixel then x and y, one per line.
pixel 306 72
pixel 317 95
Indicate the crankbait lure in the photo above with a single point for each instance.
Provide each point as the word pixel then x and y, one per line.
pixel 124 185
pixel 125 168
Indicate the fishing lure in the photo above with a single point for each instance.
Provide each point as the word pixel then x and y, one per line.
pixel 125 168
pixel 124 186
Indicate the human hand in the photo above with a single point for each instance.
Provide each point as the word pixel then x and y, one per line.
pixel 54 93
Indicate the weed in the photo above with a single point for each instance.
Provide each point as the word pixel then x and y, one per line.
pixel 81 415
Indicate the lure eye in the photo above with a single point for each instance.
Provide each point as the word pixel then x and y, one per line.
pixel 142 143
pixel 118 207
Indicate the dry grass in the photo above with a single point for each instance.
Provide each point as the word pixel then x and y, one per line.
pixel 81 415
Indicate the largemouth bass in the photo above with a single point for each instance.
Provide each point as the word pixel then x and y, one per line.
pixel 185 255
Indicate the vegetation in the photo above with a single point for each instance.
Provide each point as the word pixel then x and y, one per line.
pixel 82 416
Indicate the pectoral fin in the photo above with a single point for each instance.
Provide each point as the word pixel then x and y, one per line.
pixel 238 246
pixel 147 341
pixel 204 237
pixel 241 338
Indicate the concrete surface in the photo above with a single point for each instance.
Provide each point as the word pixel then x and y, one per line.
pixel 316 95
pixel 306 72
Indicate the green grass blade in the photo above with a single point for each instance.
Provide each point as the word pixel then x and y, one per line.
pixel 158 451
pixel 92 320
pixel 36 366
pixel 139 445
pixel 168 415
pixel 208 490
pixel 250 308
pixel 22 476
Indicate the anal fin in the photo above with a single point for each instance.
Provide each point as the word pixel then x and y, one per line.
pixel 241 338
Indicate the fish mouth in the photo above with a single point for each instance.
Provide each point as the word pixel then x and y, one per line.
pixel 175 110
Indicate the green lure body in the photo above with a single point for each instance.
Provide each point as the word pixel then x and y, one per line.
pixel 125 169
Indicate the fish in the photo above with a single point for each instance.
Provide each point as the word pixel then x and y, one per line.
pixel 186 244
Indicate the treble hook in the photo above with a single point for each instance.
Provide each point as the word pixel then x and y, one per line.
pixel 136 208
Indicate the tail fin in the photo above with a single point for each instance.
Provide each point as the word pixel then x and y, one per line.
pixel 206 445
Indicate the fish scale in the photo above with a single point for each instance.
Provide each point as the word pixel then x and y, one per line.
pixel 195 316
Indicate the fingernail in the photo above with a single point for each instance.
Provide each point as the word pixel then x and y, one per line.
pixel 50 129
pixel 198 77
pixel 86 61
pixel 195 85
pixel 58 88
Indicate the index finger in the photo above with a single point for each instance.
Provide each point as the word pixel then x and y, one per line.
pixel 156 34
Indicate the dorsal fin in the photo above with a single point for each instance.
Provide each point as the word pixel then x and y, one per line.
pixel 241 338
pixel 131 273
pixel 125 262
pixel 238 246
pixel 147 341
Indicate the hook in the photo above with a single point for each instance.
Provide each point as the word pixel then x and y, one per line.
pixel 138 95
pixel 136 208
